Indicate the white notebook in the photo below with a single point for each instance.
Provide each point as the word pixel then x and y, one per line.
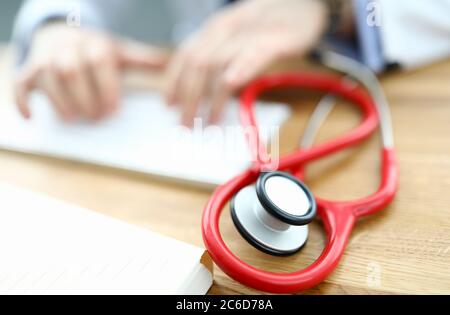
pixel 143 137
pixel 51 247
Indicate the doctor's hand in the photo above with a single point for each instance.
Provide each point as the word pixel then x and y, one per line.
pixel 235 46
pixel 80 70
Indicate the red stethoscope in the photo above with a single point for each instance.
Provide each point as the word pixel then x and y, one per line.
pixel 274 224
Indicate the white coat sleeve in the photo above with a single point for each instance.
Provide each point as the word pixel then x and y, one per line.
pixel 414 33
pixel 76 13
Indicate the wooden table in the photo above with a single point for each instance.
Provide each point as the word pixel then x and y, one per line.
pixel 405 249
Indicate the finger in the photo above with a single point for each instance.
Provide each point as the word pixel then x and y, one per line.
pixel 80 90
pixel 24 84
pixel 250 63
pixel 220 98
pixel 220 92
pixel 135 55
pixel 108 85
pixel 205 77
pixel 199 49
pixel 51 85
pixel 105 75
pixel 198 80
pixel 173 77
pixel 191 92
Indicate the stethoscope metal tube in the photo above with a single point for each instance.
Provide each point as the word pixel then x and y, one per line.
pixel 338 217
pixel 367 78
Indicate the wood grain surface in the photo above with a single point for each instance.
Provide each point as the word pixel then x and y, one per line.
pixel 405 249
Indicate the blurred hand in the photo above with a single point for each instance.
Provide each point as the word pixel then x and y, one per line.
pixel 235 46
pixel 80 70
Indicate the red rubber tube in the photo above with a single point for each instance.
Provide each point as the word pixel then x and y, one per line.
pixel 338 217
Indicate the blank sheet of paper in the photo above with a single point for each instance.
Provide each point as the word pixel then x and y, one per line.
pixel 51 247
pixel 144 136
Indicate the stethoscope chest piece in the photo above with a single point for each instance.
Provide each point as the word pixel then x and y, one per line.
pixel 273 215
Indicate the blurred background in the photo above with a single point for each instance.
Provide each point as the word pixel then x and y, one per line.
pixel 7 13
pixel 156 11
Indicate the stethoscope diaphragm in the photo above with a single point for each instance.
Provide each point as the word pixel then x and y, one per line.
pixel 273 215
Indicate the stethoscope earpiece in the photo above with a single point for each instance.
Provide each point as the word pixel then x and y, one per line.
pixel 273 215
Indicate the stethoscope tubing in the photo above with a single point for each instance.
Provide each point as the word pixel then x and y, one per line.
pixel 338 217
pixel 309 81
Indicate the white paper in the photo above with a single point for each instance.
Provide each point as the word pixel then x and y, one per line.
pixel 143 137
pixel 50 247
